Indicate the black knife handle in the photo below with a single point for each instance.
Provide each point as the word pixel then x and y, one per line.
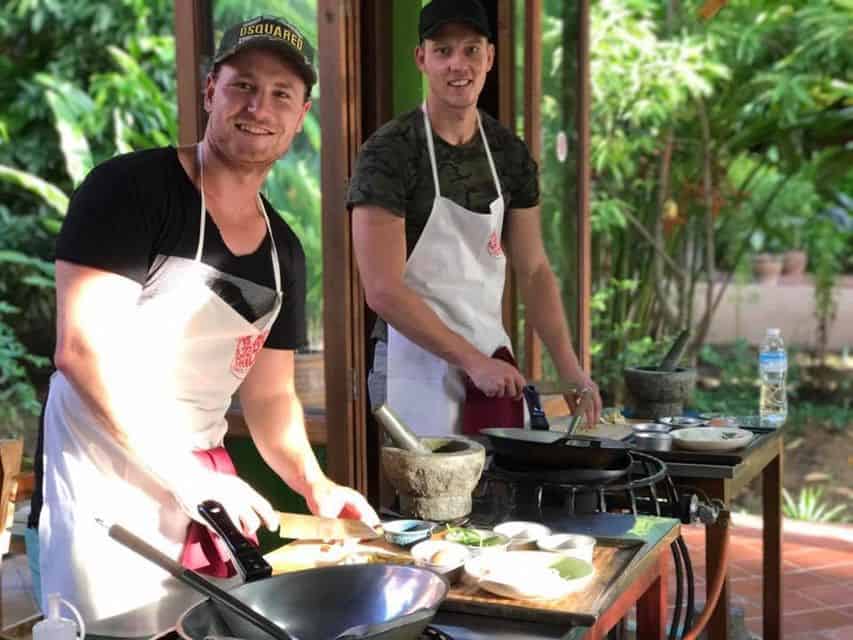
pixel 538 421
pixel 246 557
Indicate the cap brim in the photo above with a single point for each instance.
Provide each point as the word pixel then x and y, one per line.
pixel 467 22
pixel 306 71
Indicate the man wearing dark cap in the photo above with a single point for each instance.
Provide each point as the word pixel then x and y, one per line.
pixel 441 198
pixel 177 283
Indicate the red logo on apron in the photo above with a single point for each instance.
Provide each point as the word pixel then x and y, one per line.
pixel 495 249
pixel 246 352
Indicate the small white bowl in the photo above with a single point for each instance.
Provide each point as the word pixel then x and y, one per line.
pixel 521 534
pixel 424 554
pixel 569 544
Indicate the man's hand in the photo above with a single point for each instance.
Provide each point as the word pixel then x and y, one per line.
pixel 496 378
pixel 586 399
pixel 330 500
pixel 246 507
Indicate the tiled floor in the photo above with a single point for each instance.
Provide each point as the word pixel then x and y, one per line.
pixel 817 579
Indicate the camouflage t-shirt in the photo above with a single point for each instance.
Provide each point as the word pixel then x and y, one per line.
pixel 393 171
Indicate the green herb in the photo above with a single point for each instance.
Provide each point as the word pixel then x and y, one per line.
pixel 472 537
pixel 571 568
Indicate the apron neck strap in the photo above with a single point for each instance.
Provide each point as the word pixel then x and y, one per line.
pixel 434 164
pixel 203 218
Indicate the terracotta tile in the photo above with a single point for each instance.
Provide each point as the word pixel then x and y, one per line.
pixel 803 579
pixel 830 594
pixel 817 556
pixel 755 625
pixel 838 633
pixel 816 620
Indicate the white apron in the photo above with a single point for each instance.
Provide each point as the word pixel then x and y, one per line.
pixel 458 268
pixel 206 348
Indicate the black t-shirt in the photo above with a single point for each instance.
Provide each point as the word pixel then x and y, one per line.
pixel 134 212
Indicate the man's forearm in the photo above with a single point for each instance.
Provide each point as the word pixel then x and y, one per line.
pixel 541 294
pixel 277 425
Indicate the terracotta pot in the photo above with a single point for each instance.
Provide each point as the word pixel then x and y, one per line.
pixel 766 267
pixel 794 263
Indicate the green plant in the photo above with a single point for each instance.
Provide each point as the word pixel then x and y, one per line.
pixel 810 506
pixel 18 396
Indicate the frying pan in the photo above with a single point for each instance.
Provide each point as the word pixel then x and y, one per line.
pixel 370 601
pixel 545 449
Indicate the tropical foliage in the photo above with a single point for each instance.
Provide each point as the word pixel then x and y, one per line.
pixel 710 139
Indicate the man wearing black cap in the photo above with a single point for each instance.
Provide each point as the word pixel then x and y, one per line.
pixel 436 198
pixel 177 283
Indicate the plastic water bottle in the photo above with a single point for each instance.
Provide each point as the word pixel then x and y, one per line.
pixel 773 368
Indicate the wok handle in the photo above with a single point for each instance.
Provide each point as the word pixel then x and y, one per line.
pixel 248 560
pixel 538 420
pixel 196 581
pixel 423 616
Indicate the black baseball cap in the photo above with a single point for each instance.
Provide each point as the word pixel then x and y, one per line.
pixel 441 12
pixel 270 33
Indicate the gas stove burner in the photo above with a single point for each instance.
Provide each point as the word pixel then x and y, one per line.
pixel 508 491
pixel 431 633
pixel 581 476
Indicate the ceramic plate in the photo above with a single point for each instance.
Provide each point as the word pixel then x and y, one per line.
pixel 711 439
pixel 522 534
pixel 529 575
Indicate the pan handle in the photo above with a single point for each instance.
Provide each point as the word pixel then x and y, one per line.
pixel 195 581
pixel 422 616
pixel 247 559
pixel 538 420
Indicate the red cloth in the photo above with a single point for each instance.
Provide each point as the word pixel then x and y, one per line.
pixel 482 412
pixel 203 550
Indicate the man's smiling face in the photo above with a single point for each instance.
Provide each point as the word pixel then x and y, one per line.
pixel 256 103
pixel 455 61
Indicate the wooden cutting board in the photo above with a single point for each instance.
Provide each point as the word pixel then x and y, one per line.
pixel 610 559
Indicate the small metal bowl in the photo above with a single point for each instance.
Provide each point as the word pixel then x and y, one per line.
pixel 650 427
pixel 653 441
pixel 679 422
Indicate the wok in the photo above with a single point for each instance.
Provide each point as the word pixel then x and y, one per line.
pixel 541 448
pixel 377 602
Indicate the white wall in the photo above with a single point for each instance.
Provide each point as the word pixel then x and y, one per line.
pixel 746 312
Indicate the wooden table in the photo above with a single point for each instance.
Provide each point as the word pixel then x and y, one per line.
pixel 724 482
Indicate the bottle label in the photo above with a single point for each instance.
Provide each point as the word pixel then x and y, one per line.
pixel 773 361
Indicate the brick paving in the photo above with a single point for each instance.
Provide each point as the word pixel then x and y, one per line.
pixel 817 577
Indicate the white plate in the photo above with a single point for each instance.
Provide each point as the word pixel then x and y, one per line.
pixel 711 438
pixel 522 534
pixel 527 575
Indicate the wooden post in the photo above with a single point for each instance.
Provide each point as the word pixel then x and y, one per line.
pixel 193 47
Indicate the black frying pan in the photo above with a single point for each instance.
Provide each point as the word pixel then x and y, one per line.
pixel 376 602
pixel 542 448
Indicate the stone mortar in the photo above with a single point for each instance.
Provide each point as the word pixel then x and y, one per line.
pixel 659 393
pixel 435 486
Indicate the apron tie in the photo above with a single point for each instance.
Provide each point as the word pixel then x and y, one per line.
pixel 203 550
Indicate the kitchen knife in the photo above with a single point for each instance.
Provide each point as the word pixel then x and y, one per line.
pixel 303 527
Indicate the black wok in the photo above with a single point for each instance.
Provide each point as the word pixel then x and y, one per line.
pixel 377 602
pixel 539 447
